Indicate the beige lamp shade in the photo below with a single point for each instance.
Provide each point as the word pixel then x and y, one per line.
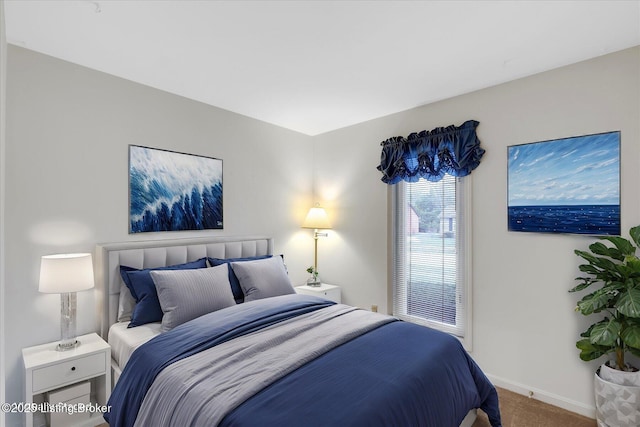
pixel 66 273
pixel 316 218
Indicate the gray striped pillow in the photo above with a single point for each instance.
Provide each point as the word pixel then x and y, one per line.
pixel 187 294
pixel 263 278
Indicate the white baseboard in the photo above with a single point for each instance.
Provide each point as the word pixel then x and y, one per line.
pixel 544 396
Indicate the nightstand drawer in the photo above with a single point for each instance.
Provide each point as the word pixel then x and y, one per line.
pixel 68 372
pixel 330 292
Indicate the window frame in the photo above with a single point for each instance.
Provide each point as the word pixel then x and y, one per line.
pixel 464 259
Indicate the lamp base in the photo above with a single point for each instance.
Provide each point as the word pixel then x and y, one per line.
pixel 68 305
pixel 65 346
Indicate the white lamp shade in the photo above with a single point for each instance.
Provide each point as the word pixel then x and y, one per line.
pixel 66 273
pixel 316 218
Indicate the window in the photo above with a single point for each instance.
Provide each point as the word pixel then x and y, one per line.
pixel 432 241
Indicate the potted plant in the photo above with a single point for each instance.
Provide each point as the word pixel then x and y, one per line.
pixel 615 270
pixel 313 280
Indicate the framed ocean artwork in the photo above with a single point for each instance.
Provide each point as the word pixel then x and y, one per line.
pixel 569 185
pixel 172 191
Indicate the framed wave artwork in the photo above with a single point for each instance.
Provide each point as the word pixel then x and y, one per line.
pixel 569 185
pixel 171 191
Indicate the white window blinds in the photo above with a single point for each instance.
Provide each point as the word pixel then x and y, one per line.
pixel 431 237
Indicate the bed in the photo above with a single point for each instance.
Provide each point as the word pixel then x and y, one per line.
pixel 277 358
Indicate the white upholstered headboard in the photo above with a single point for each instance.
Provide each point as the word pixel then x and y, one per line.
pixel 160 253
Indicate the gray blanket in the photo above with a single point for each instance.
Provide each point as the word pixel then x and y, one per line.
pixel 202 389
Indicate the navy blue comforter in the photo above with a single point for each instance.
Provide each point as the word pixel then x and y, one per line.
pixel 399 374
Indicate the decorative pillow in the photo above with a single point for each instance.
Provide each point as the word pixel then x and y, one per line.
pixel 235 285
pixel 263 278
pixel 126 303
pixel 187 294
pixel 143 289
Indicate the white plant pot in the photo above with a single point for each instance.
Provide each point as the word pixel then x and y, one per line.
pixel 617 405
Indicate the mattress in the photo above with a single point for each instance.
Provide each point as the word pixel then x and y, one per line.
pixel 124 341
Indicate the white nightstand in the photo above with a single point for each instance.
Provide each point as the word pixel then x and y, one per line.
pixel 47 369
pixel 330 292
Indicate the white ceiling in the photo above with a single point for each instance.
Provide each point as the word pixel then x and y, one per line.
pixel 316 66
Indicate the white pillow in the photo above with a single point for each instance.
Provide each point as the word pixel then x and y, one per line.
pixel 187 294
pixel 263 278
pixel 126 302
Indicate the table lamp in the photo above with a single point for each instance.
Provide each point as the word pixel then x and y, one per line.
pixel 66 274
pixel 316 219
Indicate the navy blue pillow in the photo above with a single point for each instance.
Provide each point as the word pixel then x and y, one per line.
pixel 142 288
pixel 238 295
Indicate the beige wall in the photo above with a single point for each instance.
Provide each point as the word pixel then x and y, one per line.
pixel 3 91
pixel 524 326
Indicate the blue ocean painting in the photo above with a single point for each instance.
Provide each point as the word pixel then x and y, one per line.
pixel 170 191
pixel 569 185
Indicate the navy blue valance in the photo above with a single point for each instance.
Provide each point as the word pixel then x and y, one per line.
pixel 431 154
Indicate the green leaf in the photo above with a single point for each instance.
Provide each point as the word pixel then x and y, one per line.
pixel 635 234
pixel 581 286
pixel 606 332
pixel 587 333
pixel 615 287
pixel 631 336
pixel 633 263
pixel 588 268
pixel 602 249
pixel 604 264
pixel 589 351
pixel 595 302
pixel 629 303
pixel 623 245
pixel 584 254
